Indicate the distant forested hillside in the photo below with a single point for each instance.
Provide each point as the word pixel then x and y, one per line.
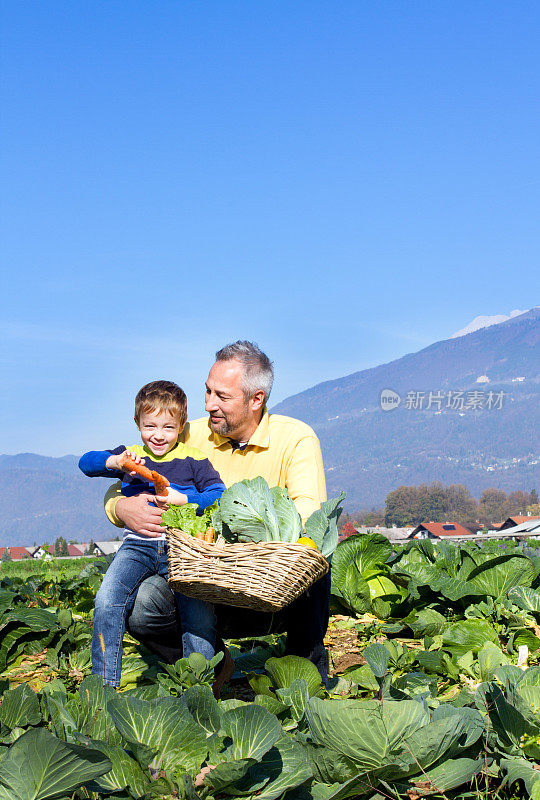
pixel 43 498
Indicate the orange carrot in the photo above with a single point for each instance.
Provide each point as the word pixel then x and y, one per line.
pixel 160 483
pixel 129 465
pixel 209 535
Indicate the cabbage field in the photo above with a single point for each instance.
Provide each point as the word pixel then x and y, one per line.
pixel 435 691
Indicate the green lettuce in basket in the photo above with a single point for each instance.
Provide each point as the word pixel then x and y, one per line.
pixel 185 518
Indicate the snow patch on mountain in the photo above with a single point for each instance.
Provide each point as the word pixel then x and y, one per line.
pixel 485 322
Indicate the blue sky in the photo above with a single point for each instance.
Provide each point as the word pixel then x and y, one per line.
pixel 341 182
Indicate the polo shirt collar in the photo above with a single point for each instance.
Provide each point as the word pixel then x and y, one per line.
pixel 260 437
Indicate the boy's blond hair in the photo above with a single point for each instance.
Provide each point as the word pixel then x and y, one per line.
pixel 161 396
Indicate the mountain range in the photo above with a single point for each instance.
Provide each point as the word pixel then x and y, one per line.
pixel 489 435
pixel 456 438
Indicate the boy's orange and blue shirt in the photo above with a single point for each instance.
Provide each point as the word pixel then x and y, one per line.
pixel 186 468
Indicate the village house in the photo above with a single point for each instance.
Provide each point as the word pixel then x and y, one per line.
pixel 16 553
pixel 39 552
pixel 106 548
pixel 393 534
pixel 77 550
pixel 511 522
pixel 530 526
pixel 390 533
pixel 439 530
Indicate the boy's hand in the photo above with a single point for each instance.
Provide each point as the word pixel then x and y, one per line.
pixel 173 497
pixel 115 462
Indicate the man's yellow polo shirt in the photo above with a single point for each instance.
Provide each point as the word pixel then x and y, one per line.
pixel 282 450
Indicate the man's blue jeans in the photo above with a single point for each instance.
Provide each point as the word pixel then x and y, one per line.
pixel 305 621
pixel 135 561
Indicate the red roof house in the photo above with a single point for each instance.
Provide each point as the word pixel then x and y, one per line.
pixel 438 530
pixel 75 550
pixel 17 553
pixel 511 522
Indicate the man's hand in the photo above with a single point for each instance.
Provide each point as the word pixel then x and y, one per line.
pixel 138 516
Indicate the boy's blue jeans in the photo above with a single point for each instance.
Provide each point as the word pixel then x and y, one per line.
pixel 135 561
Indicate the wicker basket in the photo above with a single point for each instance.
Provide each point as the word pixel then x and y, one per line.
pixel 266 576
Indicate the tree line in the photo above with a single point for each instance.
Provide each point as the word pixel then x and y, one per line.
pixel 433 502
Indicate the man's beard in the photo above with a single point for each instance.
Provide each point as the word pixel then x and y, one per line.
pixel 227 426
pixel 223 428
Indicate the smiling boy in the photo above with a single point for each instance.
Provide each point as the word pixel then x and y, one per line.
pixel 160 416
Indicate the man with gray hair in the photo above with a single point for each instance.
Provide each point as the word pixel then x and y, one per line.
pixel 258 371
pixel 242 440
